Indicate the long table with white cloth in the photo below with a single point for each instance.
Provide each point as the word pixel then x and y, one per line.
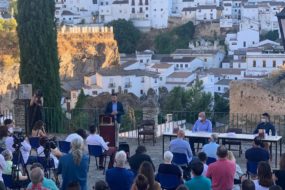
pixel 229 136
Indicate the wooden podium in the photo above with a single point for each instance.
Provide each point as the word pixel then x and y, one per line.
pixel 107 129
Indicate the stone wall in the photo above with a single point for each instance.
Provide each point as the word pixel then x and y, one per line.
pixel 250 98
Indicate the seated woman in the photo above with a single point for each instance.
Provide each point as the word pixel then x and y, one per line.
pixel 264 175
pixel 54 154
pixel 39 129
pixel 9 164
pixel 279 175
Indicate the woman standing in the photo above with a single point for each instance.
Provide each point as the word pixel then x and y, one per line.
pixel 74 166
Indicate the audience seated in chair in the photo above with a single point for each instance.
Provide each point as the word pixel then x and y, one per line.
pixel 179 145
pixel 140 183
pixel 74 166
pixel 168 168
pixel 222 171
pixel 247 185
pixel 238 173
pixel 146 169
pixel 211 148
pixel 9 164
pixel 95 139
pixel 264 176
pixel 256 154
pixel 101 185
pixel 9 123
pixel 37 177
pixel 79 133
pixel 198 182
pixel 203 158
pixel 47 183
pixel 138 158
pixel 119 178
pixel 279 175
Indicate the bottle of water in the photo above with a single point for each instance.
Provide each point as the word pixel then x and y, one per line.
pixel 270 132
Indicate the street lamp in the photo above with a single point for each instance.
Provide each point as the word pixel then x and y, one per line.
pixel 281 21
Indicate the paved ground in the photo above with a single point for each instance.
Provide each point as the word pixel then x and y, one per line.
pixel 156 153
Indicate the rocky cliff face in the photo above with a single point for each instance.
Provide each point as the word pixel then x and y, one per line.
pixel 79 53
pixel 82 53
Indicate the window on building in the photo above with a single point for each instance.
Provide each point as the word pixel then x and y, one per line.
pixel 113 91
pixel 133 10
pixel 133 2
pixel 142 80
pixel 102 3
pixel 94 92
pixel 235 78
pixel 263 63
pixel 274 63
pixel 161 9
pixel 140 2
pixel 244 44
pixel 205 59
pixel 219 88
pixel 141 61
pixel 254 63
pixel 141 9
pixel 126 91
pixel 146 8
pixel 155 80
pixel 141 92
pixel 160 78
pixel 95 2
pixel 186 65
pixel 107 3
pixel 181 65
pixel 146 15
pixel 146 2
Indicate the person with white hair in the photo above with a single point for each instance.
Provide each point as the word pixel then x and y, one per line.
pixel 74 166
pixel 37 177
pixel 167 167
pixel 211 148
pixel 119 178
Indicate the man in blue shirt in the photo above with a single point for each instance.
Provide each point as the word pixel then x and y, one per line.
pixel 119 178
pixel 201 125
pixel 179 145
pixel 211 148
pixel 265 124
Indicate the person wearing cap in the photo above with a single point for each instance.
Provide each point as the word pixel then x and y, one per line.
pixel 116 110
pixel 266 125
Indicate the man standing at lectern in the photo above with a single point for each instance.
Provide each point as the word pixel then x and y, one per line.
pixel 115 109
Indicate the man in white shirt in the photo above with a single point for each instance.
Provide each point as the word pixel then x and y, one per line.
pixel 96 139
pixel 79 134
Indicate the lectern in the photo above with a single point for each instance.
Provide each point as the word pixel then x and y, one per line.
pixel 107 129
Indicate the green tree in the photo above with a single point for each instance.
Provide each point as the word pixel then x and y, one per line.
pixel 126 34
pixel 39 63
pixel 80 100
pixel 164 43
pixel 271 35
pixel 221 104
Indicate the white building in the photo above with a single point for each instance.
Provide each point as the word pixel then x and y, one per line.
pixel 201 13
pixel 181 79
pixel 4 5
pixel 242 39
pixel 185 63
pixel 212 58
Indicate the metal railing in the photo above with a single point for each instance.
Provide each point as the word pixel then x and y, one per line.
pixel 81 118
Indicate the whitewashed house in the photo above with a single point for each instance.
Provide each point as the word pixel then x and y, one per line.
pixel 185 63
pixel 242 39
pixel 164 70
pixel 181 79
pixel 212 58
pixel 222 86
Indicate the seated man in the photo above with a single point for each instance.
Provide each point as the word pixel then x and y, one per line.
pixel 257 153
pixel 139 157
pixel 37 177
pixel 222 171
pixel 168 168
pixel 203 158
pixel 79 133
pixel 47 183
pixel 95 139
pixel 119 178
pixel 211 148
pixel 201 125
pixel 198 182
pixel 265 124
pixel 179 145
pixel 247 185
